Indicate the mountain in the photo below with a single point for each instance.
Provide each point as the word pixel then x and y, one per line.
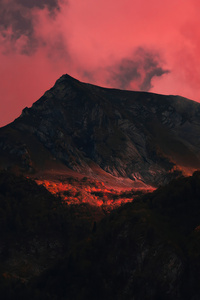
pixel 84 244
pixel 36 229
pixel 146 137
pixel 145 250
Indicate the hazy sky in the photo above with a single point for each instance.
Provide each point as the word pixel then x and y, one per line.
pixel 128 44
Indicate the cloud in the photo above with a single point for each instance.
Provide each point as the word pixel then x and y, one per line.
pixel 124 73
pixel 17 21
pixel 51 4
pixel 33 54
pixel 137 71
pixel 32 28
pixel 147 82
pixel 143 45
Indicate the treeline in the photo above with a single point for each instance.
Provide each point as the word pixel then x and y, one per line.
pixel 36 226
pixel 145 250
pixel 29 208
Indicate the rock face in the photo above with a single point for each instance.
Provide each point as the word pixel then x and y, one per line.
pixel 138 135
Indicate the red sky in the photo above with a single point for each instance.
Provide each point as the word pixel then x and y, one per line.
pixel 137 45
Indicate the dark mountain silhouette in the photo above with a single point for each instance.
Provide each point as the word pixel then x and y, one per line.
pixel 147 249
pixel 142 136
pixel 37 228
pixel 144 250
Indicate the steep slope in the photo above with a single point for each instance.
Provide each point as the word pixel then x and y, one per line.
pixel 138 135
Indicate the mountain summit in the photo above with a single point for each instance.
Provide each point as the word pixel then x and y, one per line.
pixel 85 128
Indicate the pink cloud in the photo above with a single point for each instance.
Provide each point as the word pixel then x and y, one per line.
pixel 90 40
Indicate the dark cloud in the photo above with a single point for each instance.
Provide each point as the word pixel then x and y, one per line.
pixel 146 84
pixel 137 71
pixel 16 18
pixel 87 75
pixel 51 4
pixel 125 72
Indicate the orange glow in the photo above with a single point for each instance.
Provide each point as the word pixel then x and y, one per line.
pixel 89 191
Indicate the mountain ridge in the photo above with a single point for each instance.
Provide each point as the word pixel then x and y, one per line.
pixel 143 136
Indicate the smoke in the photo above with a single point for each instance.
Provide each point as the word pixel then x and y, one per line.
pixel 137 71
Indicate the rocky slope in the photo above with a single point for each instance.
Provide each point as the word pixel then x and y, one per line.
pixel 142 136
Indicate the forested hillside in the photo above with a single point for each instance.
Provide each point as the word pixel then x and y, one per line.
pixel 148 249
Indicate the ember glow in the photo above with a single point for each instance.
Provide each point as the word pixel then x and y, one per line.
pixel 143 45
pixel 93 192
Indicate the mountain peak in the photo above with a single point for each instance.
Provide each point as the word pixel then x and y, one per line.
pixel 145 137
pixel 67 77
